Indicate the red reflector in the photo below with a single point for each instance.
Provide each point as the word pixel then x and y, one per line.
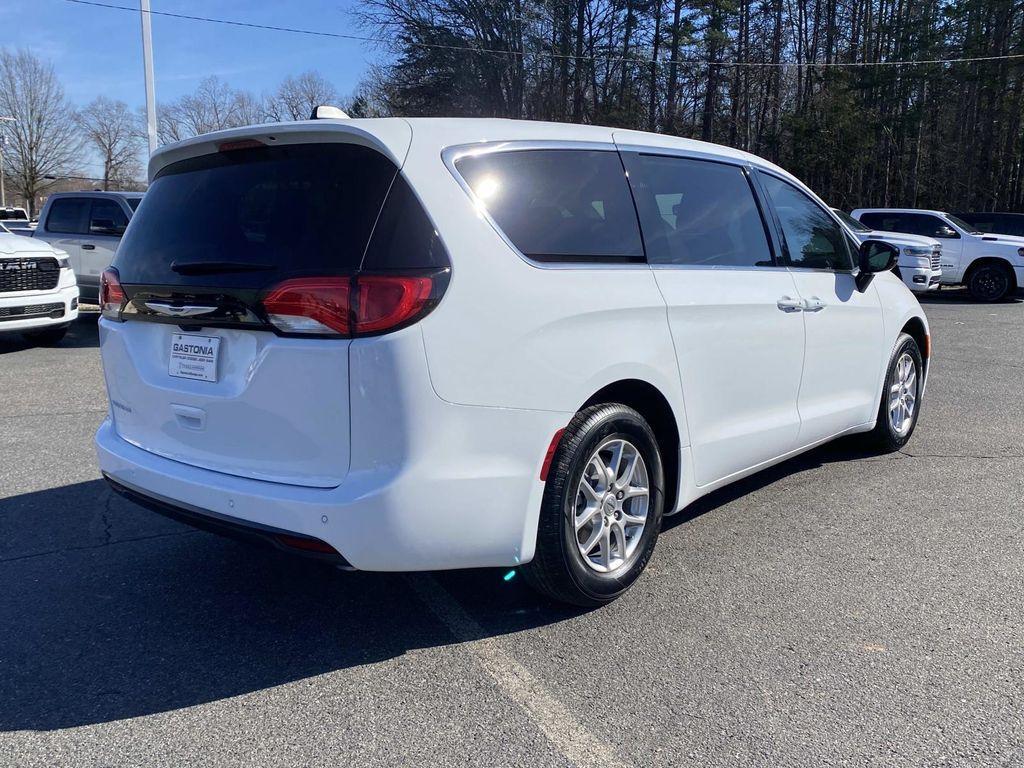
pixel 112 296
pixel 308 545
pixel 310 305
pixel 550 455
pixel 387 301
pixel 228 146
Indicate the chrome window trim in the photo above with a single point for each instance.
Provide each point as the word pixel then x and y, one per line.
pixel 451 155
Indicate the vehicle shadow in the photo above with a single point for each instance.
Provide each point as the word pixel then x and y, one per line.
pixel 841 450
pixel 83 333
pixel 961 296
pixel 111 612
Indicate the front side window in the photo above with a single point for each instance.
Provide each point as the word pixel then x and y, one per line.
pixel 812 238
pixel 569 205
pixel 697 212
pixel 69 215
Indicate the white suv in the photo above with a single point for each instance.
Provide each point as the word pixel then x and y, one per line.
pixel 426 344
pixel 38 295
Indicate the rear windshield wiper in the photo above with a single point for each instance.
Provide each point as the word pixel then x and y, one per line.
pixel 216 267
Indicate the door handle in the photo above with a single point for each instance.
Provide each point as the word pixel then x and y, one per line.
pixel 786 304
pixel 88 247
pixel 813 304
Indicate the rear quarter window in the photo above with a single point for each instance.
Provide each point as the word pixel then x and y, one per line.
pixel 558 205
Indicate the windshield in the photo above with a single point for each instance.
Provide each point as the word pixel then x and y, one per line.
pixel 851 222
pixel 969 228
pixel 133 202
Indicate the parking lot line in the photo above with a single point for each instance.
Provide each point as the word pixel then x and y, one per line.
pixel 570 737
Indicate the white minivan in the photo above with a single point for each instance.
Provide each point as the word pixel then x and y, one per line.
pixel 428 343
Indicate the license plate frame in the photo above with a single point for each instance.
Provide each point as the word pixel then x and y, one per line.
pixel 194 357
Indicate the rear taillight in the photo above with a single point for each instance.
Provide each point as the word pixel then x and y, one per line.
pixel 348 306
pixel 112 297
pixel 317 305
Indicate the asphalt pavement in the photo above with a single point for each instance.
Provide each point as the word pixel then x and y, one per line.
pixel 839 609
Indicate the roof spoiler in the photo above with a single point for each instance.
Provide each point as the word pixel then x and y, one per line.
pixel 328 112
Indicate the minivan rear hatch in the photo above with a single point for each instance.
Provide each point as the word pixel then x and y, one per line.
pixel 196 372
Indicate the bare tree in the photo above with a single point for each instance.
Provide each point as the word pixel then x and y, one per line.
pixel 296 97
pixel 213 106
pixel 43 140
pixel 113 131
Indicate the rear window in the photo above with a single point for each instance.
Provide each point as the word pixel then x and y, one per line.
pixel 248 217
pixel 558 204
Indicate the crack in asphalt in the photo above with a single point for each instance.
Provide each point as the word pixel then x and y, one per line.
pixel 960 455
pixel 96 546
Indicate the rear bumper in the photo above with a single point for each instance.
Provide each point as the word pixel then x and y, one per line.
pixel 431 486
pixel 38 311
pixel 234 528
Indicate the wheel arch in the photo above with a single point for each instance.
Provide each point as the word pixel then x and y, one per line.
pixel 917 330
pixel 982 261
pixel 651 403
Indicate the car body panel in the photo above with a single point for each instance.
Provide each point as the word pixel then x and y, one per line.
pixel 449 420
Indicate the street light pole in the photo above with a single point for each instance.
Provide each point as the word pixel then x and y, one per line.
pixel 147 63
pixel 3 138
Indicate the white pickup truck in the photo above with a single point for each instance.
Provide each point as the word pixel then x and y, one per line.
pixel 919 259
pixel 991 266
pixel 88 225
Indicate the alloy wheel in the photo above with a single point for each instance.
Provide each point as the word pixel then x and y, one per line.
pixel 903 395
pixel 612 501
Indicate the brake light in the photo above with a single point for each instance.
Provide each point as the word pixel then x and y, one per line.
pixel 347 306
pixel 387 301
pixel 231 146
pixel 112 296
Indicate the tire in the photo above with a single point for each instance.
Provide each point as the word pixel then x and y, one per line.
pixel 990 282
pixel 886 437
pixel 559 568
pixel 48 337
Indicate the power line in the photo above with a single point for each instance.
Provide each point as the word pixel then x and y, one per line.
pixel 546 55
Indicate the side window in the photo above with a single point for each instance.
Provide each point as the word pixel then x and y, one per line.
pixel 932 226
pixel 697 212
pixel 69 215
pixel 813 239
pixel 558 204
pixel 107 218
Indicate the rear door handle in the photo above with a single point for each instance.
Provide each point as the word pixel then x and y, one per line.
pixel 813 304
pixel 88 247
pixel 786 304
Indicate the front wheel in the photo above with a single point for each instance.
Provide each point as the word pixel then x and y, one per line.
pixel 901 397
pixel 990 282
pixel 602 508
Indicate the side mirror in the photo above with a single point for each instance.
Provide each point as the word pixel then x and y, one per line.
pixel 875 256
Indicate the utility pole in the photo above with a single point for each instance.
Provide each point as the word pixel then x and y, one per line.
pixel 3 139
pixel 147 63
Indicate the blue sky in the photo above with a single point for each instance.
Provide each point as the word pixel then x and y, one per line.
pixel 99 51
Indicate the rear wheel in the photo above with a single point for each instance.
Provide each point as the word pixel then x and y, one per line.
pixel 990 282
pixel 46 337
pixel 901 397
pixel 602 508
